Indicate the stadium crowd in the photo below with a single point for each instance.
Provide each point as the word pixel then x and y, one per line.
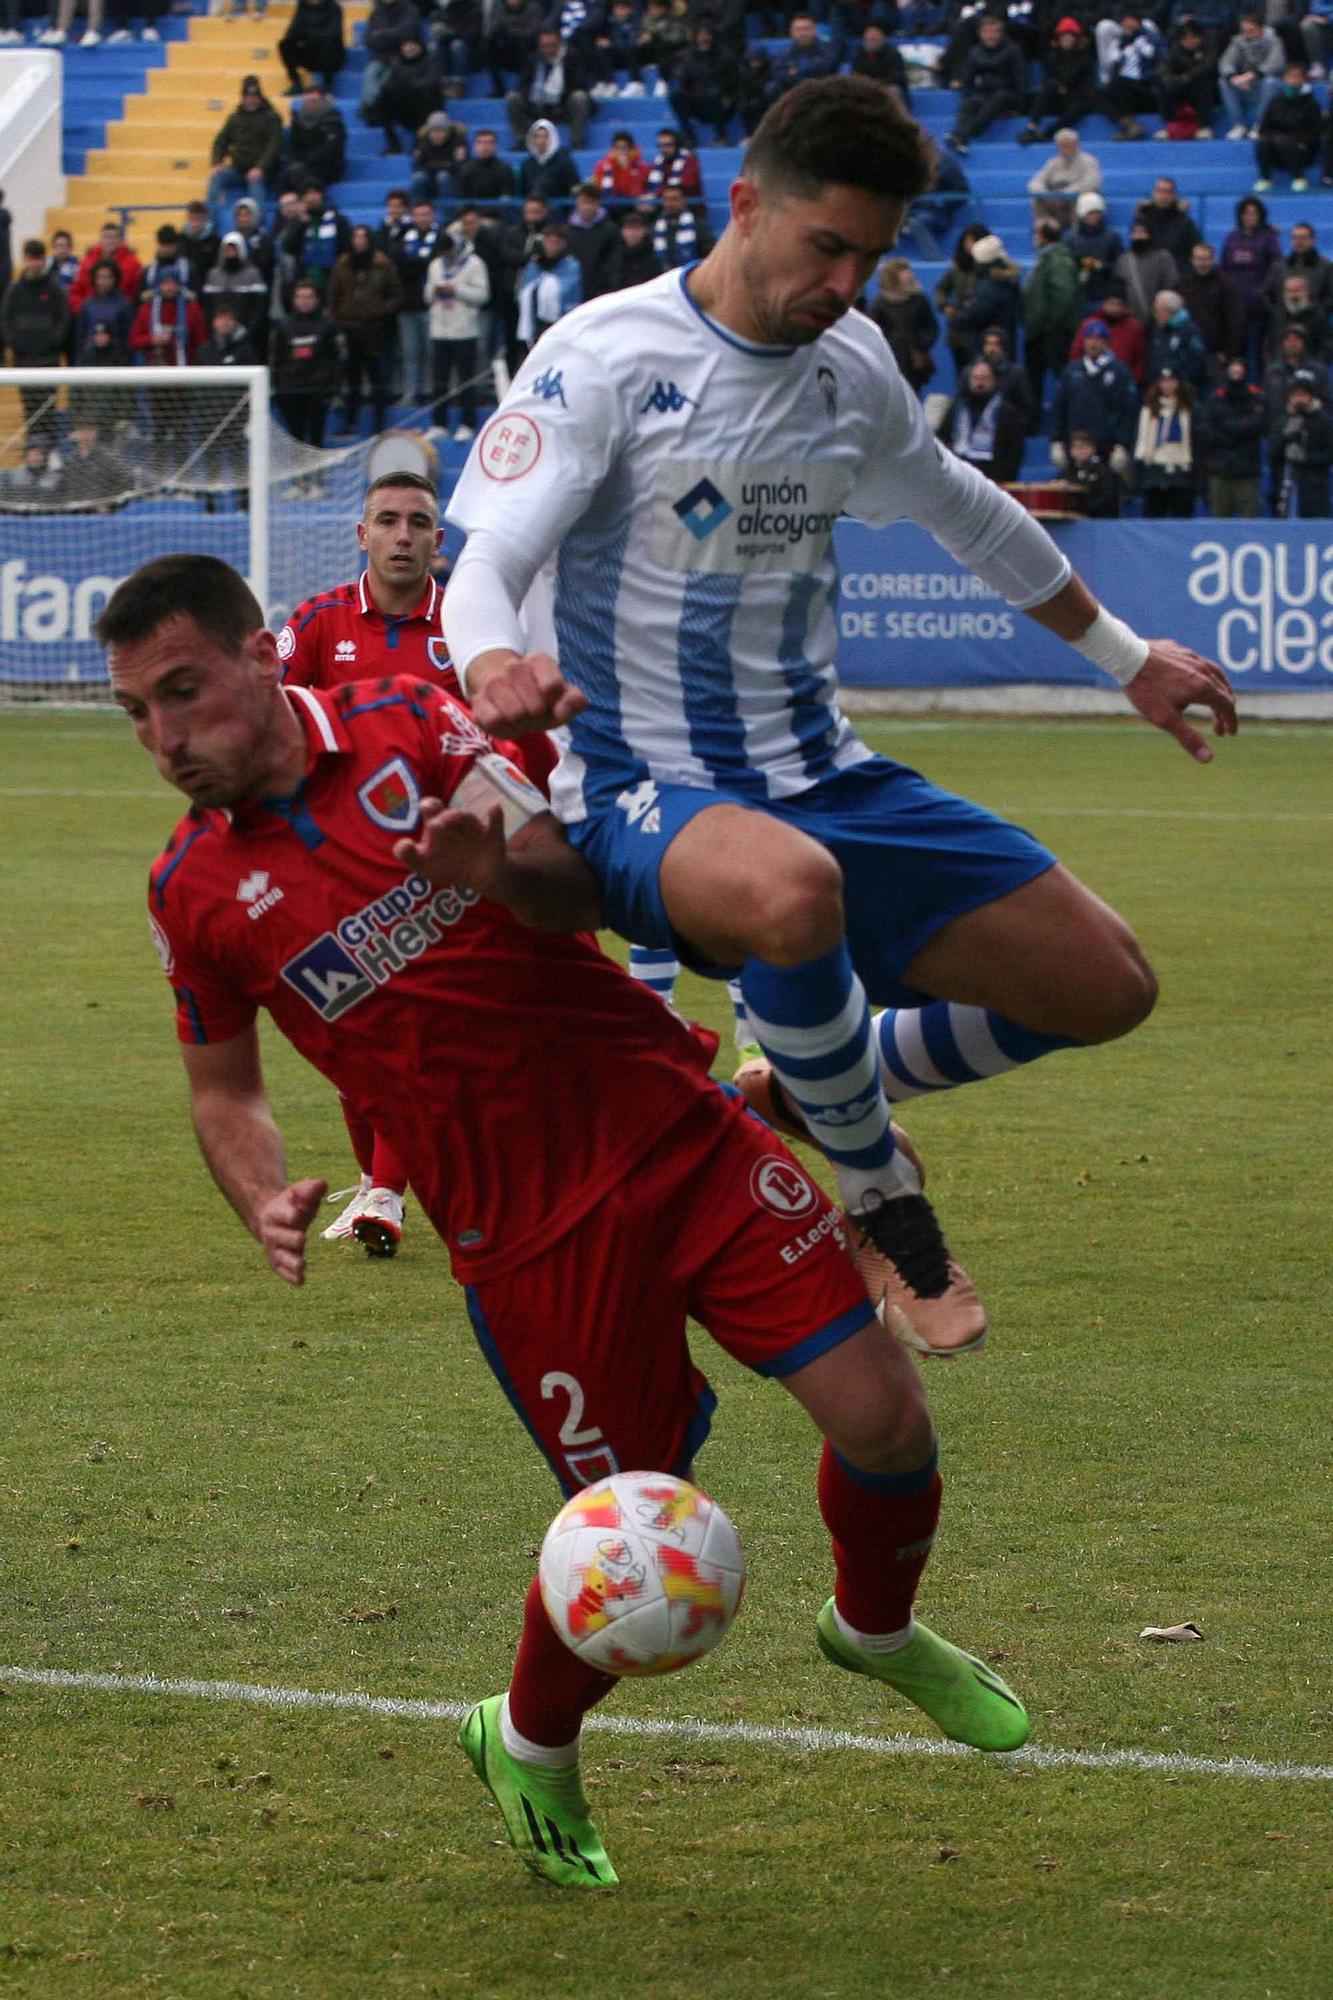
pixel 1164 372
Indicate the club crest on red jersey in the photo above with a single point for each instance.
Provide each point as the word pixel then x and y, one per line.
pixel 437 652
pixel 392 797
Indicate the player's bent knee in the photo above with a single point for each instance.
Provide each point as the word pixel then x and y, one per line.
pixel 798 916
pixel 1124 999
pixel 886 1436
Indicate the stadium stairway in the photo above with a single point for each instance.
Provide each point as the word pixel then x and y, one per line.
pixel 140 120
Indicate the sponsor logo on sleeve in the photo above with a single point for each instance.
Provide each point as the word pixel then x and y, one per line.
pixel 550 385
pixel 509 446
pixel 779 1186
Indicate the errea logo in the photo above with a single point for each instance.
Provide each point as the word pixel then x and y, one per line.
pixel 254 891
pixel 345 649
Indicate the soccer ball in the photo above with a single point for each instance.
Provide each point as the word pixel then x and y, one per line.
pixel 641 1573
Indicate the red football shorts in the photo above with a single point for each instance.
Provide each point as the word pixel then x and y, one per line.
pixel 720 1224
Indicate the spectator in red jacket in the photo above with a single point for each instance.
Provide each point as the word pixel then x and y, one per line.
pixel 622 173
pixel 169 328
pixel 110 248
pixel 1126 336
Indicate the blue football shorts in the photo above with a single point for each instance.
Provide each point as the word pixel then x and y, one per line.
pixel 913 857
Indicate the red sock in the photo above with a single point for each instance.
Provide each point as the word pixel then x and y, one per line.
pixel 552 1690
pixel 362 1135
pixel 882 1525
pixel 386 1169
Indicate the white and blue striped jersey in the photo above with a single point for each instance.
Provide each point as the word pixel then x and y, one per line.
pixel 684 485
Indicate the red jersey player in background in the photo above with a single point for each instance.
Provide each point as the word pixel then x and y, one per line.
pixel 393 862
pixel 386 622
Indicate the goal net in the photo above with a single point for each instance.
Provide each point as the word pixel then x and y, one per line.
pixel 103 469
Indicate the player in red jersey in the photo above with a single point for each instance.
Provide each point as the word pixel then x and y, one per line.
pixel 364 865
pixel 387 622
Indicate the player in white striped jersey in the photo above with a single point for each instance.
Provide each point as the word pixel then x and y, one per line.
pixel 679 454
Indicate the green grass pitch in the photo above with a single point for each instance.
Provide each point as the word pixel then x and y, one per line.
pixel 206 1475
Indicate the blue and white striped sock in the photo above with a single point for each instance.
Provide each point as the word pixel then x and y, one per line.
pixel 940 1045
pixel 658 970
pixel 740 1014
pixel 813 1023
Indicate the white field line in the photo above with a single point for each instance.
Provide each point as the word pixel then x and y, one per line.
pixel 1169 1763
pixel 1028 811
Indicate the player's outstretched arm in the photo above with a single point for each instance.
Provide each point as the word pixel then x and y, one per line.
pixel 244 1152
pixel 536 874
pixel 516 694
pixel 1162 685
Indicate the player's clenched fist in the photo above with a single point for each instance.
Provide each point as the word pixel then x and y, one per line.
pixel 514 696
pixel 281 1222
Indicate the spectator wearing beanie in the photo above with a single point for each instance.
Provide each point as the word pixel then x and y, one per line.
pixel 1059 181
pixel 434 160
pixel 1067 91
pixel 1095 245
pixel 1126 336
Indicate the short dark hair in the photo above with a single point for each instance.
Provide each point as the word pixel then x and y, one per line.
pixel 483 132
pixel 216 596
pixel 848 130
pixel 397 194
pixel 34 247
pixel 417 480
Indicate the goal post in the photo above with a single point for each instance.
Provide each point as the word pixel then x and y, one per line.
pixel 102 469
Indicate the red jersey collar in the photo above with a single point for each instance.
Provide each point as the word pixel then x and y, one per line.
pixel 426 609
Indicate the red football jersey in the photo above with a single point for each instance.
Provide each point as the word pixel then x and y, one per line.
pixel 519 1075
pixel 342 635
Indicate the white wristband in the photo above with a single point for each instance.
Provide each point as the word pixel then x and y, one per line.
pixel 1111 644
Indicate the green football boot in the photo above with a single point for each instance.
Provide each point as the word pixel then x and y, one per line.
pixel 968 1700
pixel 545 1813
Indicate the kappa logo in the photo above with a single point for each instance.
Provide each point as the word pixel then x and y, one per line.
pixel 703 509
pixel 667 400
pixel 780 1187
pixel 549 385
pixel 345 649
pixel 253 890
pixel 640 807
pixel 391 796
